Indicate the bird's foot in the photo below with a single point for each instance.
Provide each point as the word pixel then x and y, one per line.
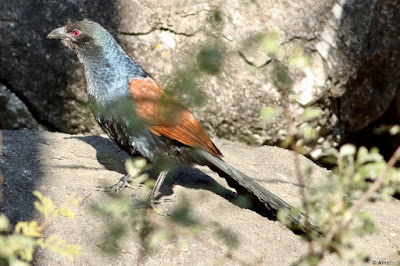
pixel 155 204
pixel 154 199
pixel 120 185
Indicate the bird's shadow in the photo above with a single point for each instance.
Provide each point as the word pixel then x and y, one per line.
pixel 112 158
pixel 107 153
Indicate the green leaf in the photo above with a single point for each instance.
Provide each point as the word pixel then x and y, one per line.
pixel 362 155
pixel 298 58
pixel 17 248
pixel 66 212
pixel 159 237
pixel 330 152
pixel 16 245
pixel 73 200
pixel 140 179
pixel 347 150
pixel 269 113
pixel 17 262
pixel 60 246
pixel 134 167
pixel 367 224
pixel 269 43
pixel 4 223
pixel 29 229
pixel 308 132
pixel 229 238
pixel 131 168
pixel 140 163
pixel 394 130
pixel 283 216
pixel 311 113
pixel 149 183
pixel 45 205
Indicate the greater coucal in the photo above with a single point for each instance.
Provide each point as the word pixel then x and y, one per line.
pixel 132 108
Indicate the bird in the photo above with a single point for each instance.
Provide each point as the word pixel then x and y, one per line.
pixel 135 111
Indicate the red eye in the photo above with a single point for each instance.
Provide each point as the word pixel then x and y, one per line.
pixel 76 33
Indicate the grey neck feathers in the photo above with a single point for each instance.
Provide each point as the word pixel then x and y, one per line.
pixel 108 71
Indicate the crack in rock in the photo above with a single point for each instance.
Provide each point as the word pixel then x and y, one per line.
pixel 160 29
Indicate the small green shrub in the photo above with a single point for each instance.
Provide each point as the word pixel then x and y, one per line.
pixel 18 245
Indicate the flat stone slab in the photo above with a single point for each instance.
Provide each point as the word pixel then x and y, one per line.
pixel 61 165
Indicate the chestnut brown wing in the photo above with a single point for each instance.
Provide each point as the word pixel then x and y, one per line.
pixel 168 117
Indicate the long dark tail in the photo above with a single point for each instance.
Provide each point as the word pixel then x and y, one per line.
pixel 262 199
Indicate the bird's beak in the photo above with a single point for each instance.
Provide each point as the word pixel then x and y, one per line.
pixel 58 33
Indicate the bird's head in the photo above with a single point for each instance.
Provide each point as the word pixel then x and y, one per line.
pixel 81 36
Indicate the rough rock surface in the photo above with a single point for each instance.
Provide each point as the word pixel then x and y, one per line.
pixel 61 165
pixel 13 112
pixel 353 48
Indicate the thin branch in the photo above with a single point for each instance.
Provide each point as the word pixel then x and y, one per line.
pixel 300 178
pixel 372 189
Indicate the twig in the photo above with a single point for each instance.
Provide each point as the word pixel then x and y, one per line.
pixel 304 200
pixel 372 189
pixel 300 178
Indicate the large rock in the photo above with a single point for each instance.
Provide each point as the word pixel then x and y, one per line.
pixel 353 73
pixel 47 79
pixel 14 114
pixel 61 165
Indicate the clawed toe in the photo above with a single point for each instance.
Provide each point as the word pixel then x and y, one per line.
pixel 155 205
pixel 159 201
pixel 136 186
pixel 117 188
pixel 152 201
pixel 120 185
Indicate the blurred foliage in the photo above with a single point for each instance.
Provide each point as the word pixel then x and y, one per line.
pixel 178 227
pixel 210 58
pixel 281 77
pixel 17 246
pixel 298 58
pixel 215 19
pixel 206 58
pixel 184 85
pixel 269 43
pixel 392 130
pixel 336 202
pixel 268 114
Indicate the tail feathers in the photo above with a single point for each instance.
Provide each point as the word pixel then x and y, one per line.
pixel 245 185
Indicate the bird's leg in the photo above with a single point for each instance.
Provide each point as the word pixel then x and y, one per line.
pixel 153 201
pixel 156 189
pixel 120 185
